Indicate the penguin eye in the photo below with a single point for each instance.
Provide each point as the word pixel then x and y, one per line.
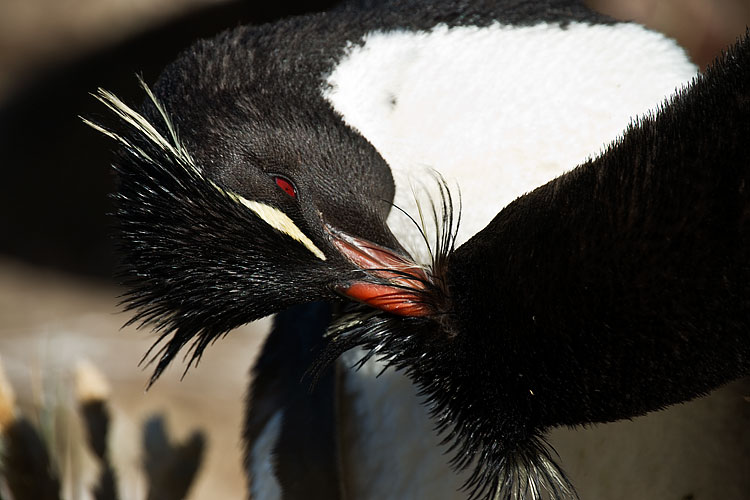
pixel 286 185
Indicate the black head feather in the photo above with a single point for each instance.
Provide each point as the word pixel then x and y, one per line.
pixel 200 258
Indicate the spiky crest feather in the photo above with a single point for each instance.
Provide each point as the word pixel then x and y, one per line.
pixel 179 229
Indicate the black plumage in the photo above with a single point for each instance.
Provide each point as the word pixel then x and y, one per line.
pixel 96 418
pixel 26 464
pixel 614 290
pixel 171 467
pixel 308 447
pixel 617 289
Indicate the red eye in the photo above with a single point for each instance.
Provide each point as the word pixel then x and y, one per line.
pixel 287 186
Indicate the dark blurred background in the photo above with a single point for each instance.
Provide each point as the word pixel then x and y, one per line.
pixel 57 294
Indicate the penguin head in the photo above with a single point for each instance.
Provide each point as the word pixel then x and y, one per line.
pixel 232 209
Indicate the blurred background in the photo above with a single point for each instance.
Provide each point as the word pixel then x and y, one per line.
pixel 58 300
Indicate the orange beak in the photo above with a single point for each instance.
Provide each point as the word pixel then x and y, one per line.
pixel 400 282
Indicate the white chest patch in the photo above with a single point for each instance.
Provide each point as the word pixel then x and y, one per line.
pixel 390 448
pixel 264 485
pixel 498 111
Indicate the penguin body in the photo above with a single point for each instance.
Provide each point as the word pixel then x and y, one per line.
pixel 278 154
pixel 499 108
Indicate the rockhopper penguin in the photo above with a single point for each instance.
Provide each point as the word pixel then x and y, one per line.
pixel 492 198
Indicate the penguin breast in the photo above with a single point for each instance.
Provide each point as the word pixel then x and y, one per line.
pixel 498 110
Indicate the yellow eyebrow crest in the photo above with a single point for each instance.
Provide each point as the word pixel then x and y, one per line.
pixel 281 221
pixel 277 220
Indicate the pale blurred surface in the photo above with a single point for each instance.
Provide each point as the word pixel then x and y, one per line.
pixel 50 319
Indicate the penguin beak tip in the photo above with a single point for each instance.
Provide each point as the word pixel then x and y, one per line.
pixel 391 282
